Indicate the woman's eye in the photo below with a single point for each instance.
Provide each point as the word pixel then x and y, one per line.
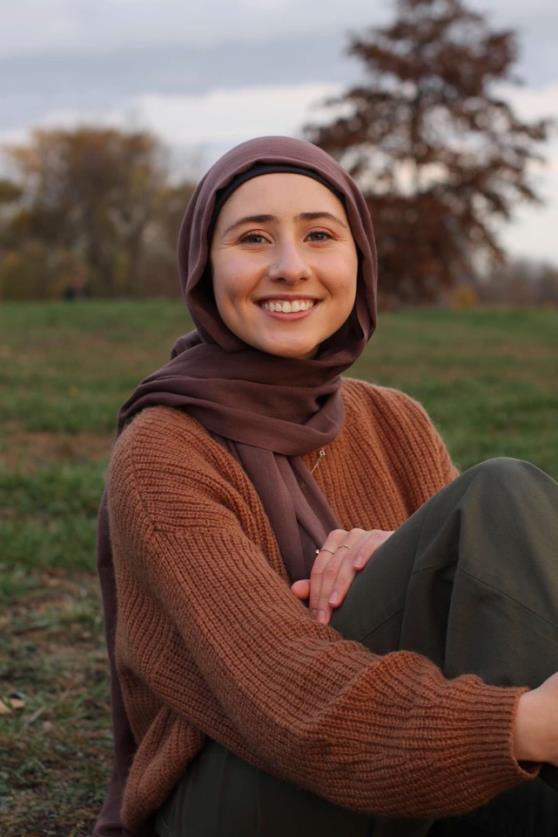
pixel 319 235
pixel 253 238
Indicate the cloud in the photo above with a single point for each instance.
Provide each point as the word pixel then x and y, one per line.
pixel 101 24
pixel 31 86
pixel 199 128
pixel 533 103
pixel 220 116
pixel 233 115
pixel 30 26
pixel 533 229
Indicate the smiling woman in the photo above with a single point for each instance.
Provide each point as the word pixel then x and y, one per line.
pixel 289 560
pixel 284 277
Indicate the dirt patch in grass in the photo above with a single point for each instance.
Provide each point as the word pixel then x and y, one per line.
pixel 28 452
pixel 55 741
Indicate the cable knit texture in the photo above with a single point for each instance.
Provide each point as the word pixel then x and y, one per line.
pixel 212 642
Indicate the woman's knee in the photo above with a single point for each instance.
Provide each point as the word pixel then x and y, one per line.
pixel 502 470
pixel 491 499
pixel 505 477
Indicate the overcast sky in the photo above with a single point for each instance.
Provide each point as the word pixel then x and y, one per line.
pixel 206 75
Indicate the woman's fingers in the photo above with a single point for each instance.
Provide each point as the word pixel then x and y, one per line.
pixel 301 588
pixel 375 538
pixel 324 571
pixel 341 557
pixel 343 554
pixel 356 560
pixel 333 555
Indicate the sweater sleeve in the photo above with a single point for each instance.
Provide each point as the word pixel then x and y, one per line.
pixel 388 735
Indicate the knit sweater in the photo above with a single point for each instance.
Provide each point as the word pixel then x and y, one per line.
pixel 211 641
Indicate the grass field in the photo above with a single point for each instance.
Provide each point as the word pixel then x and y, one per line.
pixel 488 378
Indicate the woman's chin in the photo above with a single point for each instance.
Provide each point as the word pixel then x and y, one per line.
pixel 293 352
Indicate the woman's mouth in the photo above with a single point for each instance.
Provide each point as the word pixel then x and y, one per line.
pixel 285 306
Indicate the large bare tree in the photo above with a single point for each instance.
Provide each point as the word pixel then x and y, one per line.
pixel 438 152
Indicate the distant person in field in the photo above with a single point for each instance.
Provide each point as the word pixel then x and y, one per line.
pixel 315 625
pixel 77 287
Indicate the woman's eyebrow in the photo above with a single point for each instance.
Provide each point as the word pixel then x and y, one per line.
pixel 250 219
pixel 263 219
pixel 313 216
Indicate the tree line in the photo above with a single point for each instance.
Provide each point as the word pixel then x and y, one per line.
pixel 440 156
pixel 91 210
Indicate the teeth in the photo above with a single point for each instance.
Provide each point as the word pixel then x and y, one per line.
pixel 283 306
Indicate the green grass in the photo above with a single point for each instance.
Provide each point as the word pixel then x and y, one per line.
pixel 65 367
pixel 489 379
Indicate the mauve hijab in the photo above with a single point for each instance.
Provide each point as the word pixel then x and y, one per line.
pixel 267 411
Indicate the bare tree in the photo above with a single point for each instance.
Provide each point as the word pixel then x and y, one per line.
pixel 439 154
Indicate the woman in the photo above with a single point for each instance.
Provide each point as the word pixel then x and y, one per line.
pixel 248 490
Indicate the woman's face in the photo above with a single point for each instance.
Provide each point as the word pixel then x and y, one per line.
pixel 284 264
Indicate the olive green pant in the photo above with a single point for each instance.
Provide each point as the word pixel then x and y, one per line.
pixel 470 581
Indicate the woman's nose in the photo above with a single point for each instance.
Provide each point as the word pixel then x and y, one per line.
pixel 289 263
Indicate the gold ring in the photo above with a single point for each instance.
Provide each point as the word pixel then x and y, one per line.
pixel 344 546
pixel 323 549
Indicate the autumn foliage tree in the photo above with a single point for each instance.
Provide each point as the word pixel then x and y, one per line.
pixel 95 205
pixel 439 154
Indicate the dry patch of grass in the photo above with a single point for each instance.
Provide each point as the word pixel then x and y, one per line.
pixel 56 741
pixel 27 452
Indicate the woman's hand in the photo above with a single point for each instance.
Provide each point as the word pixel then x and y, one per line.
pixel 536 724
pixel 337 562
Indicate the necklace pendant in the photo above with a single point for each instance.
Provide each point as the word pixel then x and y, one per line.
pixel 321 455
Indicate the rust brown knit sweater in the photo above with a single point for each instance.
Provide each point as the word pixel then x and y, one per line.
pixel 211 640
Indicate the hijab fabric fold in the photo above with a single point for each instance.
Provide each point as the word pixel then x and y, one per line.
pixel 267 411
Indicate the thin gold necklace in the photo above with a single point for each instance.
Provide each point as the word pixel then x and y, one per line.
pixel 321 456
